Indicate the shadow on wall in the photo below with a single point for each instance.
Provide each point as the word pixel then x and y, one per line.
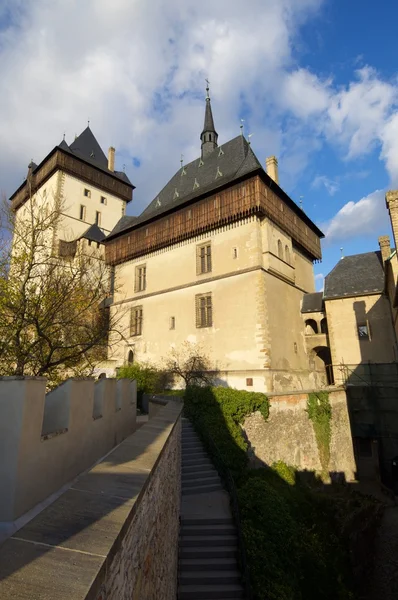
pixel 372 392
pixel 86 520
pixel 303 539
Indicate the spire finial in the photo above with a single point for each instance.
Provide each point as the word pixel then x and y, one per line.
pixel 342 252
pixel 241 126
pixel 88 122
pixel 301 202
pixel 64 135
pixel 207 89
pixel 182 160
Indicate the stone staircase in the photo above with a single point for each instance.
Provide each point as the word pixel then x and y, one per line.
pixel 208 545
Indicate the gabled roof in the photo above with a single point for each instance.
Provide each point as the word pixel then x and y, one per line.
pixel 312 303
pixel 209 121
pixel 124 223
pixel 94 234
pixel 356 275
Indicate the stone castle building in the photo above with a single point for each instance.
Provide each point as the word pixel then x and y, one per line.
pixel 221 257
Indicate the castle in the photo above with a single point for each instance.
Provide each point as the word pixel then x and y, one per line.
pixel 221 257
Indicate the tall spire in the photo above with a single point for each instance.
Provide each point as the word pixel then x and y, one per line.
pixel 209 135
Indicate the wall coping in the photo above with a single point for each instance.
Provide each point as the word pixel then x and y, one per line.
pixel 70 545
pixel 307 391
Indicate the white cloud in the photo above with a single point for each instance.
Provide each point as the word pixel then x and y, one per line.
pixel 332 186
pixel 368 216
pixel 319 282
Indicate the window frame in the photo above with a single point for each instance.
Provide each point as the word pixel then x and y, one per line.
pixel 172 323
pixel 367 337
pixel 204 310
pixel 82 213
pixel 204 259
pixel 86 193
pixel 103 200
pixel 98 218
pixel 136 320
pixel 140 278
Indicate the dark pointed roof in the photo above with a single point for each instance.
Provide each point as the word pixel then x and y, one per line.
pixel 356 275
pixel 225 164
pixel 313 303
pixel 94 234
pixel 87 147
pixel 209 121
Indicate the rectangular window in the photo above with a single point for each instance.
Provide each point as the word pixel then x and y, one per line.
pixel 234 253
pixel 87 193
pixel 172 322
pixel 136 321
pixel 204 310
pixel 203 259
pixel 82 212
pixel 103 200
pixel 140 278
pixel 97 218
pixel 363 331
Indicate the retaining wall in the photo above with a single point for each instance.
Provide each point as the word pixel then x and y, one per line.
pixel 47 440
pixel 114 534
pixel 288 435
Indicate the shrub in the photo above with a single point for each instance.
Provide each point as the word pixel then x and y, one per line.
pixel 150 380
pixel 320 413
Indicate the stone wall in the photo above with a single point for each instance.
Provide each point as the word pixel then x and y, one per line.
pixel 288 434
pixel 47 440
pixel 113 535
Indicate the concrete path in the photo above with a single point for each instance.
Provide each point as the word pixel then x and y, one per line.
pixel 208 548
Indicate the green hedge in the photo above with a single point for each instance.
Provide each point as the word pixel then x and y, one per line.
pixel 290 535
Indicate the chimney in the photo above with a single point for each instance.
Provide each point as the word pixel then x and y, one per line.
pixel 111 159
pixel 392 205
pixel 272 168
pixel 385 249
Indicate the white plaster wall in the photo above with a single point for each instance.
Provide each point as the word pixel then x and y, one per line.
pixel 34 465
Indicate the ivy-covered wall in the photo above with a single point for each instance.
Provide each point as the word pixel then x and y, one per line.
pixel 309 431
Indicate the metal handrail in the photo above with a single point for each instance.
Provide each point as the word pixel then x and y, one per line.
pixel 228 479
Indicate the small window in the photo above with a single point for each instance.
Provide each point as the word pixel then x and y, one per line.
pixel 44 193
pixel 204 310
pixel 203 259
pixel 136 321
pixel 189 214
pixel 363 331
pixel 140 278
pixel 146 232
pixel 89 242
pixel 249 381
pixel 87 193
pixel 98 244
pixel 295 347
pixel 97 218
pixel 280 250
pixel 130 357
pixel 172 322
pixel 234 253
pixel 82 212
pixel 287 254
pixel 103 200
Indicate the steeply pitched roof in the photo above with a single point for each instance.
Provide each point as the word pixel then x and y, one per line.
pixel 209 121
pixel 87 147
pixel 225 164
pixel 357 275
pixel 124 223
pixel 94 234
pixel 312 303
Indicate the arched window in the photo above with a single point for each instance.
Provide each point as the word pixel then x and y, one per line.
pixel 130 357
pixel 287 254
pixel 280 249
pixel 311 327
pixel 324 326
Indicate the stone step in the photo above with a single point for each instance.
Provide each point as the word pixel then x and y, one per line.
pixel 207 521
pixel 200 482
pixel 192 451
pixel 207 564
pixel 198 473
pixel 205 577
pixel 196 461
pixel 202 489
pixel 207 552
pixel 207 530
pixel 210 592
pixel 207 541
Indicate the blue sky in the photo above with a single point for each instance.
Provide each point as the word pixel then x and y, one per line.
pixel 315 80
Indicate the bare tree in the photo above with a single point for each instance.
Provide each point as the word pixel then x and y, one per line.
pixel 190 362
pixel 53 306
